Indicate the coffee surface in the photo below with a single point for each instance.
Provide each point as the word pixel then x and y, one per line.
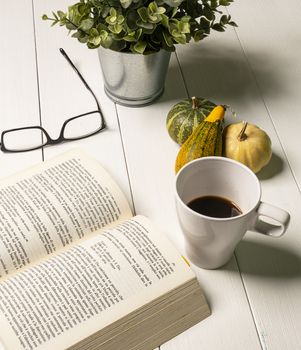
pixel 217 207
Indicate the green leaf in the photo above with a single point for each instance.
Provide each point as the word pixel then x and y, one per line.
pixel 84 39
pixel 145 25
pixel 120 19
pixel 185 19
pixel 198 35
pixel 101 27
pixel 55 15
pixel 173 3
pixel 165 21
pixel 209 14
pixel 105 11
pixel 233 24
pixel 93 32
pixel 129 38
pixel 142 12
pixel 83 9
pixel 223 20
pixel 118 45
pixel 86 24
pixel 161 10
pixel 218 27
pixel 133 36
pixel 116 28
pixel 174 12
pixel 184 27
pixel 139 47
pixel 69 25
pixel 180 38
pixel 131 20
pixel 125 3
pixel 204 23
pixel 167 38
pixel 113 12
pixel 96 40
pixel 76 35
pixel 61 14
pixel 224 2
pixel 153 8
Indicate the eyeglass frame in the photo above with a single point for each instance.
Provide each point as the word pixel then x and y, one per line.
pixel 61 138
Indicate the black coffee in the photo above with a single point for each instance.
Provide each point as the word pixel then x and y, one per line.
pixel 217 207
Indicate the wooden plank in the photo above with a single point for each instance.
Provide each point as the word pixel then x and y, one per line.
pixel 150 156
pixel 273 50
pixel 63 95
pixel 18 80
pixel 273 278
pixel 271 268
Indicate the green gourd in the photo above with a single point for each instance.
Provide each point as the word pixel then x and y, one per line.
pixel 185 116
pixel 205 141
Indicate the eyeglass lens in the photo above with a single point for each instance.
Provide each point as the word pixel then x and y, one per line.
pixel 31 138
pixel 24 139
pixel 83 126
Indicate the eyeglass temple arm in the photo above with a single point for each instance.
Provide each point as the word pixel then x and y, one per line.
pixel 63 52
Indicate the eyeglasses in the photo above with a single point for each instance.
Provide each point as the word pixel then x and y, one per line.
pixel 75 128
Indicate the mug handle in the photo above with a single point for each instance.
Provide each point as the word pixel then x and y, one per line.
pixel 276 214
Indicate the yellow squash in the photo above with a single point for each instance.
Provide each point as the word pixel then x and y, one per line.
pixel 206 139
pixel 248 144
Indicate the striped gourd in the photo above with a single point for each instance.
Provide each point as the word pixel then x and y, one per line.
pixel 205 141
pixel 185 116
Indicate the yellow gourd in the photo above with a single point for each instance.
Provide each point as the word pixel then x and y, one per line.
pixel 248 144
pixel 206 139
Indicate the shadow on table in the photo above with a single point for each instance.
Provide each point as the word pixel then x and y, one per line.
pixel 274 167
pixel 222 74
pixel 268 261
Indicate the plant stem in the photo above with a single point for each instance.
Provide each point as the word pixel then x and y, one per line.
pixel 77 27
pixel 242 136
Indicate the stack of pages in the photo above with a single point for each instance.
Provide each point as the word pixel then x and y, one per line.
pixel 78 271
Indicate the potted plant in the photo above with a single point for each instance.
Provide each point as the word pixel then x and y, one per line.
pixel 134 38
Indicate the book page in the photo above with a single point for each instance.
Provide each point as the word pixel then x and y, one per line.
pixel 62 300
pixel 54 204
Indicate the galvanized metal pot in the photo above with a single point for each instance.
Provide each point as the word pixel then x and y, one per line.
pixel 133 79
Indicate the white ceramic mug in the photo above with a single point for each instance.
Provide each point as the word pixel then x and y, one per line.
pixel 210 241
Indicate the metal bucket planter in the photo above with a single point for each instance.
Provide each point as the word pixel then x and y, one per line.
pixel 133 79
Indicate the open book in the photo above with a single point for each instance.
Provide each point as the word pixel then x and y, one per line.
pixel 78 271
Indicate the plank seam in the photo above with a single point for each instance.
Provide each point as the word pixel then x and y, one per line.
pixel 37 72
pixel 182 75
pixel 249 303
pixel 125 160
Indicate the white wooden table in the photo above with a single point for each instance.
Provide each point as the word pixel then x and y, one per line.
pixel 256 68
